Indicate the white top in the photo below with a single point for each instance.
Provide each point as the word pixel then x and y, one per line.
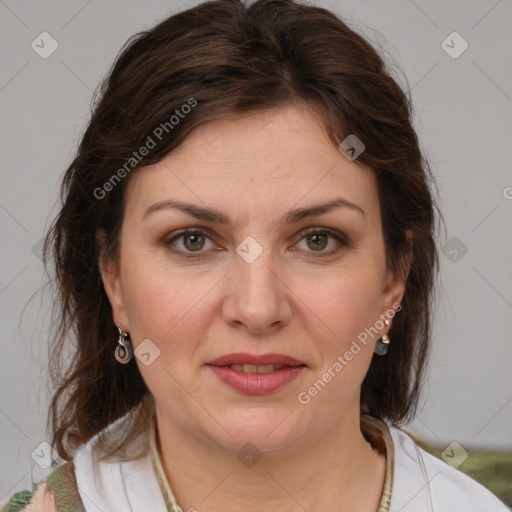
pixel 424 483
pixel 420 483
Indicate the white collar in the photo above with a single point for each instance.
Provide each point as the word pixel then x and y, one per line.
pixel 116 485
pixel 421 482
pixel 424 483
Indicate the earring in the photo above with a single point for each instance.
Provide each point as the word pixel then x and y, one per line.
pixel 381 347
pixel 124 350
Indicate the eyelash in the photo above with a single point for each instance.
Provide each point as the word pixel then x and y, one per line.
pixel 341 239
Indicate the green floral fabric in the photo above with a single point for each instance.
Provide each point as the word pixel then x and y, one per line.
pixel 19 500
pixel 61 482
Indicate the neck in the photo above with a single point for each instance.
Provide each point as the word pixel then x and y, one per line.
pixel 337 470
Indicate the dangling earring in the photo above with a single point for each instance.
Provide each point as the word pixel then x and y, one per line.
pixel 381 347
pixel 124 350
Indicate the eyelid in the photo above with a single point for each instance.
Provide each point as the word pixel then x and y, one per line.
pixel 176 235
pixel 340 237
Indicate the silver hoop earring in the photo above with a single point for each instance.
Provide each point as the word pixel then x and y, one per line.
pixel 124 350
pixel 382 345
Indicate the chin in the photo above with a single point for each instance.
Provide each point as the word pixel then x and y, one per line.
pixel 263 428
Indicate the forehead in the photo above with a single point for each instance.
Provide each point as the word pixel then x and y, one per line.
pixel 265 160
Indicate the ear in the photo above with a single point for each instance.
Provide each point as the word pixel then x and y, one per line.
pixel 394 284
pixel 111 282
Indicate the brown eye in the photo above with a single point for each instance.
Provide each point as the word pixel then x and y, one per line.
pixel 187 243
pixel 317 241
pixel 193 241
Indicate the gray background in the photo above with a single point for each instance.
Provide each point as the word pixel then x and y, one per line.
pixel 463 107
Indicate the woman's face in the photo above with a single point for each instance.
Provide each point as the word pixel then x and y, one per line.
pixel 251 280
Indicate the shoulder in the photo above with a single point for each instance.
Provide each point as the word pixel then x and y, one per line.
pixel 59 488
pixel 454 488
pixel 43 500
pixel 40 499
pixel 423 478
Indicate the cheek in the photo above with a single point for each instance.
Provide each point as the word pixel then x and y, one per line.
pixel 165 304
pixel 348 302
pixel 346 355
pixel 169 312
pixel 348 306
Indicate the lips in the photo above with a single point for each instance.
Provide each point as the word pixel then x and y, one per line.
pixel 249 361
pixel 256 375
pixel 255 368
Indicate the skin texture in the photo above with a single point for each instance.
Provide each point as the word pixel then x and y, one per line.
pixel 291 300
pixel 41 501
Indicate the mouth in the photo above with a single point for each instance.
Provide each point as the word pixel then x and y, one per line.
pixel 256 368
pixel 256 374
pixel 250 363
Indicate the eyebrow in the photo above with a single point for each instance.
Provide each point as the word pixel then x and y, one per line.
pixel 291 217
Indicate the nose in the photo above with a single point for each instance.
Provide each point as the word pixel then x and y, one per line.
pixel 256 297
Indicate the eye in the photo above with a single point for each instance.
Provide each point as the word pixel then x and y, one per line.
pixel 316 240
pixel 192 241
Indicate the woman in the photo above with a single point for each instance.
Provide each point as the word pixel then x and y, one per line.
pixel 246 257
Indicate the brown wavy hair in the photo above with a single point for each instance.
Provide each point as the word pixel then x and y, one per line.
pixel 230 58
